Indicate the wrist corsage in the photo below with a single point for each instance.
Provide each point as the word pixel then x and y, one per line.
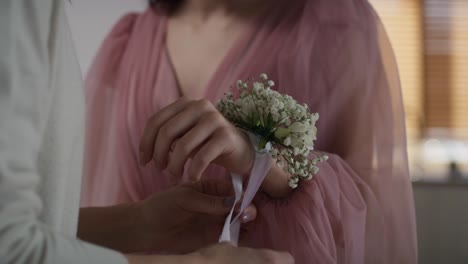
pixel 279 121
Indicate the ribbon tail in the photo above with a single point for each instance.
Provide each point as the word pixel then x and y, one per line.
pixel 260 169
pixel 226 234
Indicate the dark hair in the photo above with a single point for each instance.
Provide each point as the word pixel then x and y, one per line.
pixel 165 5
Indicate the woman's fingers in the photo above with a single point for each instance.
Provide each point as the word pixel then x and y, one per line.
pixel 212 149
pixel 152 127
pixel 249 214
pixel 218 187
pixel 201 132
pixel 196 201
pixel 192 141
pixel 167 125
pixel 173 129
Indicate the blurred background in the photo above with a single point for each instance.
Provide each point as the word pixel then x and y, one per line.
pixel 430 40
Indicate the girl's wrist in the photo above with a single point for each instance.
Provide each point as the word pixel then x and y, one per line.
pixel 247 156
pixel 276 183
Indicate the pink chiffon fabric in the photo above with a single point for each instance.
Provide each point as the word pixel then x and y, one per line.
pixel 331 54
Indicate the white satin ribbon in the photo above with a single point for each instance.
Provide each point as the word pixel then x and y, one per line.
pixel 260 169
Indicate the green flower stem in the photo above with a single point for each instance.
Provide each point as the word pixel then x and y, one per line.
pixel 262 143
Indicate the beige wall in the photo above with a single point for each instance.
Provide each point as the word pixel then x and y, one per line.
pixel 90 20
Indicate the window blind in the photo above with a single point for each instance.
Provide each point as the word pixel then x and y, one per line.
pixel 403 22
pixel 446 59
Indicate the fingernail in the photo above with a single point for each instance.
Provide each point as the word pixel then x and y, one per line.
pixel 229 202
pixel 246 217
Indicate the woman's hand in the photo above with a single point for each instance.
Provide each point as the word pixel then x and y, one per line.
pixel 227 254
pixel 188 217
pixel 195 130
pixel 218 254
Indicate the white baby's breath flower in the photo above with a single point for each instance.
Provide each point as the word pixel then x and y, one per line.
pixel 275 116
pixel 274 152
pixel 271 83
pixel 275 102
pixel 287 141
pixel 293 183
pixel 291 170
pixel 315 169
pixel 258 86
pixel 280 164
pixel 314 117
pixel 263 76
pixel 283 114
pixel 240 84
pixel 297 151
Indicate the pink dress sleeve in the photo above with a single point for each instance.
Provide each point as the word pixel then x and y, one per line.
pixel 102 109
pixel 324 220
pixel 359 208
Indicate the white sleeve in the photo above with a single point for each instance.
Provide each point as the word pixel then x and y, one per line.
pixel 24 79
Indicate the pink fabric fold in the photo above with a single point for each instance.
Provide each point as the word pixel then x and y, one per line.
pixel 332 55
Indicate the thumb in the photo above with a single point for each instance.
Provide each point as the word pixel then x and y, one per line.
pixel 198 202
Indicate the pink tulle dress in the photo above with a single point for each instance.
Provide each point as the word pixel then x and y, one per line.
pixel 331 54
